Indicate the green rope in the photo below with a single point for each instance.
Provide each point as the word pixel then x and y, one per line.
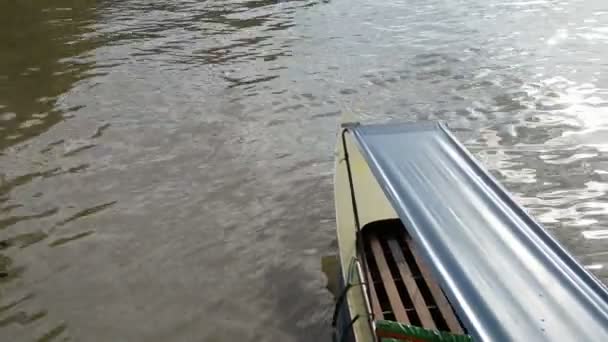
pixel 403 331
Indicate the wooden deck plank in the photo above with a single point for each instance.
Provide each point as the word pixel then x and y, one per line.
pixel 387 279
pixel 426 319
pixel 444 306
pixel 376 308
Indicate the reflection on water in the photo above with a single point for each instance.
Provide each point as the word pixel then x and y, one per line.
pixel 165 166
pixel 43 55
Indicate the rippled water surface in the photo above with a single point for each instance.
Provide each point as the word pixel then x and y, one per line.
pixel 166 166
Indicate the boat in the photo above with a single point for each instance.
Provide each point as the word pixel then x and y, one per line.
pixel 433 248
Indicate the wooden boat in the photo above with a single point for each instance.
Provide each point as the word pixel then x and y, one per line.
pixel 432 249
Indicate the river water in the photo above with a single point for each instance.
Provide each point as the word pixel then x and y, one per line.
pixel 166 166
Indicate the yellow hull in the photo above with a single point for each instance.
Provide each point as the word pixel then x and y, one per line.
pixel 372 205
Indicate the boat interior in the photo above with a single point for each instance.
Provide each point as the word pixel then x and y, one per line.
pixel 507 277
pixel 401 287
pixel 398 286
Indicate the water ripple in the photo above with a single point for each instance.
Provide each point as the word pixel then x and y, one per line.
pixel 179 153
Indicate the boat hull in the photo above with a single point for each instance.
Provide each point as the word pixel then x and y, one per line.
pixel 353 320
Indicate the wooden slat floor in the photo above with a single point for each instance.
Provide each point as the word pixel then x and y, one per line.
pixel 402 288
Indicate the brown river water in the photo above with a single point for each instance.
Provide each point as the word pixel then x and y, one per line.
pixel 166 166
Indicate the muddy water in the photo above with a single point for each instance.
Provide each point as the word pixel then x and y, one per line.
pixel 166 166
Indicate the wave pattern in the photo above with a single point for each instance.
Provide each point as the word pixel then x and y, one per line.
pixel 166 166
